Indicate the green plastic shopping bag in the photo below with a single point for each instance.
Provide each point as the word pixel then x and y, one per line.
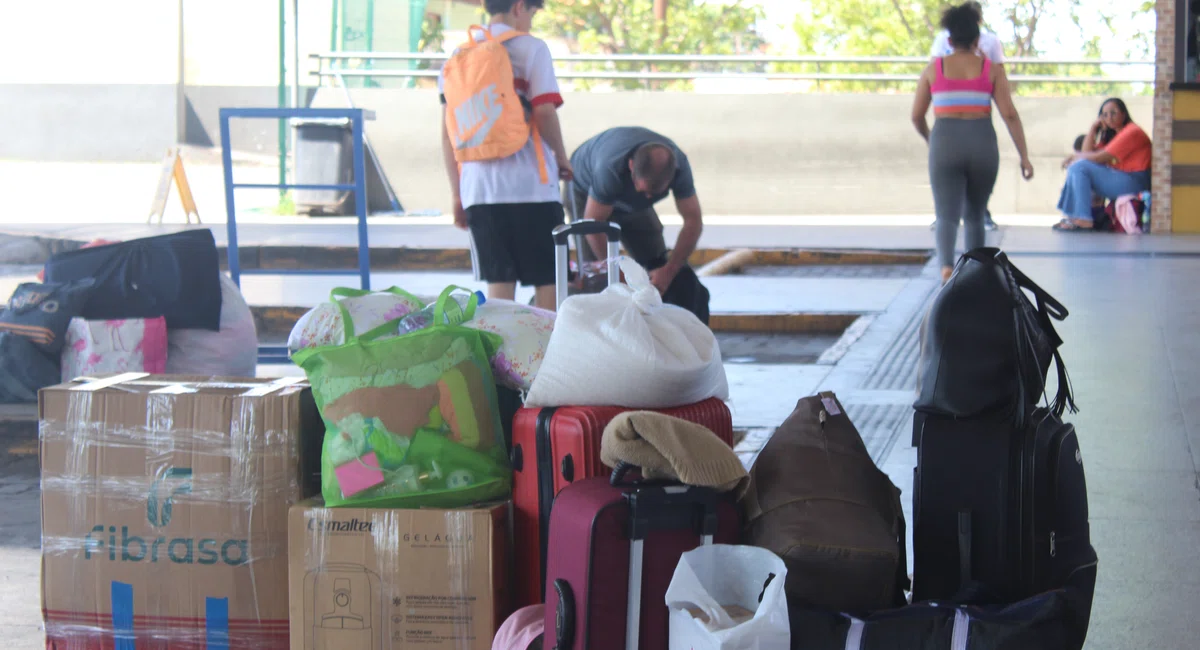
pixel 412 420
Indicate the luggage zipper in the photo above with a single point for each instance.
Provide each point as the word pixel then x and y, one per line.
pixel 1054 455
pixel 545 478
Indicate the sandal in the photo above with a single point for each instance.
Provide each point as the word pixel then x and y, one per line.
pixel 1066 225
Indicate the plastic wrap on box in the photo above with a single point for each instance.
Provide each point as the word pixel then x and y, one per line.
pixel 379 578
pixel 164 509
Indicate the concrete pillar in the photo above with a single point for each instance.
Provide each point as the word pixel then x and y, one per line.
pixel 1164 75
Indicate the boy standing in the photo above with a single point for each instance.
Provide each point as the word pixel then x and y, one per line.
pixel 503 150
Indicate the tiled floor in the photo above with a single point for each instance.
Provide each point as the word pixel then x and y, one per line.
pixel 1134 360
pixel 1133 354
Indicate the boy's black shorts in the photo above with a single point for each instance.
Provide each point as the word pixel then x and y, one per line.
pixel 512 242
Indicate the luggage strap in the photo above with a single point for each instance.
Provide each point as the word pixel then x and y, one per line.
pixel 964 548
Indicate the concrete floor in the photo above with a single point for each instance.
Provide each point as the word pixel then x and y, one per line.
pixel 1134 360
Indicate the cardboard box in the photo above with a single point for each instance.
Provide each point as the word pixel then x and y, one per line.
pixel 372 578
pixel 164 509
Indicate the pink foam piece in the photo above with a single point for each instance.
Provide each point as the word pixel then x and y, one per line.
pixel 154 346
pixel 359 474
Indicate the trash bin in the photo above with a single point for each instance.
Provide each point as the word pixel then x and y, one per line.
pixel 324 156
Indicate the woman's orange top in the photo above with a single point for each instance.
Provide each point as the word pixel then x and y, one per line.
pixel 1132 149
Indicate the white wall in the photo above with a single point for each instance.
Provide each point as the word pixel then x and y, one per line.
pixel 89 42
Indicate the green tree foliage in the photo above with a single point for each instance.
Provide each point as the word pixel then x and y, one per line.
pixel 907 28
pixel 652 27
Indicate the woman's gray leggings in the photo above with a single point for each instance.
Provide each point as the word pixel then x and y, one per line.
pixel 963 162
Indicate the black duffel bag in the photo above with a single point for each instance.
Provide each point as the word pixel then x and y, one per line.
pixel 171 275
pixel 986 347
pixel 1048 621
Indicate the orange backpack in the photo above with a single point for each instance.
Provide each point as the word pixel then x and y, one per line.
pixel 484 114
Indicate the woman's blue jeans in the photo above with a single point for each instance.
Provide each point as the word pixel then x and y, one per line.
pixel 1086 179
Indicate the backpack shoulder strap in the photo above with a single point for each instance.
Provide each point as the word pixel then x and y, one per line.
pixel 488 36
pixel 509 35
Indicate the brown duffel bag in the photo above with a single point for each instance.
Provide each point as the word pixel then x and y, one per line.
pixel 817 500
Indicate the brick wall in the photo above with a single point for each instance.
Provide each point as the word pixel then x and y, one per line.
pixel 1160 216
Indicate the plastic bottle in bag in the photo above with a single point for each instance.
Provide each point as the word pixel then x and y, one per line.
pixel 423 318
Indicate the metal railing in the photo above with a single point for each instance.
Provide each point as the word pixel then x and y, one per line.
pixel 333 64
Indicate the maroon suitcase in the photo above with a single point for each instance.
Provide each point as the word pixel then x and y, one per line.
pixel 553 447
pixel 614 546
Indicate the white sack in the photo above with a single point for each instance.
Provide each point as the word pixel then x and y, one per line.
pixel 624 347
pixel 231 352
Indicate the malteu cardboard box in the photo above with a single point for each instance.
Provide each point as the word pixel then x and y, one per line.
pixel 372 578
pixel 164 509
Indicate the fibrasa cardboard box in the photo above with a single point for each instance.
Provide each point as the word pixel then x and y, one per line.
pixel 164 509
pixel 373 578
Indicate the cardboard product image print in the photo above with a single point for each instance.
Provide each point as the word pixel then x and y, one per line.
pixel 344 602
pixel 397 578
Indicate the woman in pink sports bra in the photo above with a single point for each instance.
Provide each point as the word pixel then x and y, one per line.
pixel 964 157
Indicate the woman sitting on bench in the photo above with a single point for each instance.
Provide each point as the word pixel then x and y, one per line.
pixel 1114 161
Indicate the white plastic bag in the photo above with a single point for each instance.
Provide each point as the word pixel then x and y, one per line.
pixel 624 347
pixel 231 352
pixel 714 600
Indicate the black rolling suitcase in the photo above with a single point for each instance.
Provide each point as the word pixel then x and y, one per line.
pixel 1001 514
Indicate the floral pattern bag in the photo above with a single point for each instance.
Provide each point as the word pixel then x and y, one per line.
pixel 526 333
pixel 324 324
pixel 103 346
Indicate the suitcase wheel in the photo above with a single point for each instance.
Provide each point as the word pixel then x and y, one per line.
pixel 564 618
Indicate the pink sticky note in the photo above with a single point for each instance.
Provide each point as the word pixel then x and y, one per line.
pixel 359 474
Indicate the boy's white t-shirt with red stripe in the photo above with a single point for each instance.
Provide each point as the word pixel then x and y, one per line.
pixel 989 46
pixel 515 179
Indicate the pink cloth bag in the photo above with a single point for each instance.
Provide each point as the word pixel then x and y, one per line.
pixel 521 629
pixel 134 345
pixel 1127 216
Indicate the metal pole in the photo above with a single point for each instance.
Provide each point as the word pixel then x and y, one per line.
pixel 360 198
pixel 295 53
pixel 370 39
pixel 233 259
pixel 333 28
pixel 181 89
pixel 295 72
pixel 282 97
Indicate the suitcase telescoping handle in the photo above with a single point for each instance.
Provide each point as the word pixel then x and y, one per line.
pixel 659 505
pixel 618 478
pixel 562 238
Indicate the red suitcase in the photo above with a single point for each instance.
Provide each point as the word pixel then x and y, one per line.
pixel 614 551
pixel 552 447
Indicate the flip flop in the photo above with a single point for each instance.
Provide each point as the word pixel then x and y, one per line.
pixel 1067 225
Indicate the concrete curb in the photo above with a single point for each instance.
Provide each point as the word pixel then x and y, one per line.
pixel 275 323
pixel 434 259
pixel 16 248
pixel 25 248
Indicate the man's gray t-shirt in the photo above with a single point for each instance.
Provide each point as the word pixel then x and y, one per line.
pixel 602 169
